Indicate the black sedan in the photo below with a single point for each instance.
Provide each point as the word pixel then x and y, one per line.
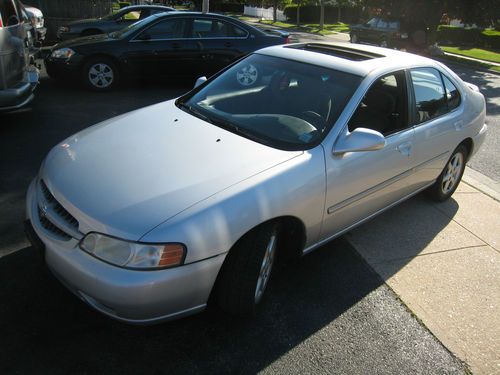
pixel 113 22
pixel 185 44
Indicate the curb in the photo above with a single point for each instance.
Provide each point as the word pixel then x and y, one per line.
pixel 482 183
pixel 465 65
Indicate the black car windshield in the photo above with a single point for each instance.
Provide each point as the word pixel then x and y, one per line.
pixel 282 103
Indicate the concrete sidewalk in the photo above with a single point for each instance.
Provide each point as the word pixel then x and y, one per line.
pixel 443 261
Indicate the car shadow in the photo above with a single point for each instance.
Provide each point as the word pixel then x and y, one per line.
pixel 42 318
pixel 304 296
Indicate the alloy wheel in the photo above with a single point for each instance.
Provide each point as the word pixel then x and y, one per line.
pixel 101 75
pixel 265 268
pixel 453 172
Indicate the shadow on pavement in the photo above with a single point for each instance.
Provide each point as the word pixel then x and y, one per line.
pixel 46 329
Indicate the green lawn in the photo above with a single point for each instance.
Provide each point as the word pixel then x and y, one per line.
pixel 476 53
pixel 311 27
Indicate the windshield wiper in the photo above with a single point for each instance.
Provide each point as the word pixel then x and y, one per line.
pixel 194 111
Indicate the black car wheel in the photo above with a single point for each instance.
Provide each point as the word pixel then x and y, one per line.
pixel 100 74
pixel 450 177
pixel 354 38
pixel 246 271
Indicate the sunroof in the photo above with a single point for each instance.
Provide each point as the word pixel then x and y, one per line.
pixel 342 52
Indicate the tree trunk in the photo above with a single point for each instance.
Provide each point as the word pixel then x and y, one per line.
pixel 298 15
pixel 275 9
pixel 338 14
pixel 321 15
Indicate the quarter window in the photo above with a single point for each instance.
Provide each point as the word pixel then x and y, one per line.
pixel 452 94
pixel 430 99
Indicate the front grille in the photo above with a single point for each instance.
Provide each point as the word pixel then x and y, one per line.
pixel 51 227
pixel 58 209
pixel 54 217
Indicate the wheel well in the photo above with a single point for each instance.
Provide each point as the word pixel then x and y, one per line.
pixel 469 145
pixel 112 58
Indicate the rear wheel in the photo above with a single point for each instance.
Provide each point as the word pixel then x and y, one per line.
pixel 450 177
pixel 247 270
pixel 100 74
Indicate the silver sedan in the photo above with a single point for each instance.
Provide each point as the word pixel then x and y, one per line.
pixel 149 215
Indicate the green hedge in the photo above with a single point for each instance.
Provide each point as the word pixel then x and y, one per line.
pixel 460 36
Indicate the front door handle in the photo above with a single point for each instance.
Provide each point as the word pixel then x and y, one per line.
pixel 405 148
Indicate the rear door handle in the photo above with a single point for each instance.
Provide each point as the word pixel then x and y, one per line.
pixel 405 148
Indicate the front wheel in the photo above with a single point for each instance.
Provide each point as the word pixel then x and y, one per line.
pixel 100 74
pixel 450 177
pixel 247 270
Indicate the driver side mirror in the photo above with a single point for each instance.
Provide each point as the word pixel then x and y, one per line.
pixel 360 139
pixel 200 81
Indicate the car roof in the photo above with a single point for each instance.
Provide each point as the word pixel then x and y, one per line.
pixel 146 6
pixel 356 59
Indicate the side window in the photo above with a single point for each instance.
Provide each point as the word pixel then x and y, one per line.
pixel 206 28
pixel 384 107
pixel 430 99
pixel 382 24
pixel 236 32
pixel 452 94
pixel 8 13
pixel 135 15
pixel 168 29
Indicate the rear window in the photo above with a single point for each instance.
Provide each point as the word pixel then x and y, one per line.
pixel 8 13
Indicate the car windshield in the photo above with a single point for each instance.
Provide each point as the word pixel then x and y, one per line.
pixel 131 28
pixel 282 103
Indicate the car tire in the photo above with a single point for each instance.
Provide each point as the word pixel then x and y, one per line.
pixel 100 74
pixel 354 38
pixel 450 177
pixel 246 271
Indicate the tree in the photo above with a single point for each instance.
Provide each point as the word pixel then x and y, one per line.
pixel 299 3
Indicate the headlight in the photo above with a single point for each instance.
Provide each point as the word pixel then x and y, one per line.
pixel 64 29
pixel 133 254
pixel 62 53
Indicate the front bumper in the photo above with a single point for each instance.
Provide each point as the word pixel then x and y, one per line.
pixel 21 94
pixel 138 297
pixel 59 68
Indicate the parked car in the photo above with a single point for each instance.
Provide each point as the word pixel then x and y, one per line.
pixel 37 21
pixel 149 215
pixel 171 44
pixel 113 22
pixel 388 33
pixel 18 78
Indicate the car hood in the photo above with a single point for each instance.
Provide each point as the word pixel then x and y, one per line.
pixel 84 41
pixel 129 174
